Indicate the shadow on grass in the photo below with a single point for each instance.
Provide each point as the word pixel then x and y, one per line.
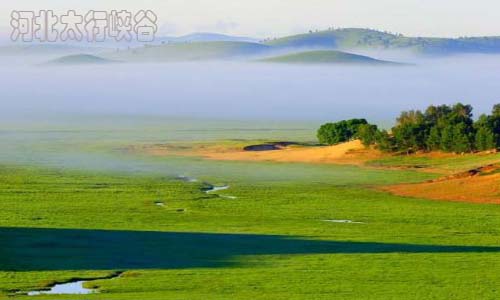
pixel 32 249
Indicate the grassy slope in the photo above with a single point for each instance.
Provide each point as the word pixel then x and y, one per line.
pixel 380 259
pixel 370 39
pixel 80 59
pixel 448 164
pixel 326 57
pixel 191 51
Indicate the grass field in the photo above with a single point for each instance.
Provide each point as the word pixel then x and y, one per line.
pixel 275 240
pixel 326 57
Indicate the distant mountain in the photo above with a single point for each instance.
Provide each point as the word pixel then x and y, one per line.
pixel 206 46
pixel 210 46
pixel 195 51
pixel 366 39
pixel 206 37
pixel 45 49
pixel 326 57
pixel 80 59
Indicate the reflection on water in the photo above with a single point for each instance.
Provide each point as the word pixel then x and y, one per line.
pixel 71 288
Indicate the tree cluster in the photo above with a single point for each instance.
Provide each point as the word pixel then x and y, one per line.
pixel 444 128
pixel 339 132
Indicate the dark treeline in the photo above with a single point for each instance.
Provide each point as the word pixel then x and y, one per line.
pixel 445 128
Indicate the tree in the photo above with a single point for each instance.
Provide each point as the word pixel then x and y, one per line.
pixel 485 139
pixel 367 134
pixel 343 131
pixel 327 134
pixel 443 127
pixel 462 138
pixel 447 139
pixel 414 117
pixel 461 113
pixel 496 110
pixel 410 137
pixel 410 133
pixel 433 141
pixel 457 133
pixel 494 123
pixel 384 141
pixel 487 131
pixel 436 115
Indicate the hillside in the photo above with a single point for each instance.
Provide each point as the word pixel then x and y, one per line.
pixel 350 153
pixel 80 59
pixel 355 38
pixel 326 57
pixel 45 49
pixel 191 52
pixel 480 185
pixel 206 37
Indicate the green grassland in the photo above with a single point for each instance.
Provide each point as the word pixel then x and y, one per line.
pixel 80 59
pixel 74 204
pixel 450 165
pixel 357 38
pixel 269 242
pixel 326 57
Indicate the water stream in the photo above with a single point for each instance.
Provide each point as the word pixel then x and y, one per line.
pixel 72 287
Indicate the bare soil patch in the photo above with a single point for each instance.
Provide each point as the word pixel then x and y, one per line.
pixel 480 185
pixel 347 153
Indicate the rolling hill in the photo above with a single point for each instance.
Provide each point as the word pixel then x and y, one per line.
pixel 207 37
pixel 177 52
pixel 355 38
pixel 45 49
pixel 80 59
pixel 326 57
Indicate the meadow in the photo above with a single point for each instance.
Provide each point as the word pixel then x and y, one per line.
pixel 280 231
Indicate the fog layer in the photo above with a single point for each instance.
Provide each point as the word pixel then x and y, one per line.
pixel 231 90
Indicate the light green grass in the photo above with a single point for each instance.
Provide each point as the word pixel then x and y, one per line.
pixel 270 242
pixel 88 209
pixel 80 59
pixel 452 164
pixel 326 57
pixel 357 38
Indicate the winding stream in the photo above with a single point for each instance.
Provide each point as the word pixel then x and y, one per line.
pixel 72 287
pixel 211 188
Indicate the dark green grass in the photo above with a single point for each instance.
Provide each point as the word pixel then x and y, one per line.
pixel 269 243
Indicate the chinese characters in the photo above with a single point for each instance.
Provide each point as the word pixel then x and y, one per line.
pixel 93 26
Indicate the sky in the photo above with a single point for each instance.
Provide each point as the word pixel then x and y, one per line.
pixel 273 18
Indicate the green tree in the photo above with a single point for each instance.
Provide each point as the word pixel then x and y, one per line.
pixel 339 132
pixel 410 117
pixel 384 141
pixel 485 139
pixel 496 110
pixel 410 137
pixel 410 132
pixel 433 141
pixel 461 113
pixel 462 138
pixel 447 139
pixel 367 134
pixel 488 130
pixel 435 115
pixel 495 124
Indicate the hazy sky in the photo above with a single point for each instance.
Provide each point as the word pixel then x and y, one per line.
pixel 268 18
